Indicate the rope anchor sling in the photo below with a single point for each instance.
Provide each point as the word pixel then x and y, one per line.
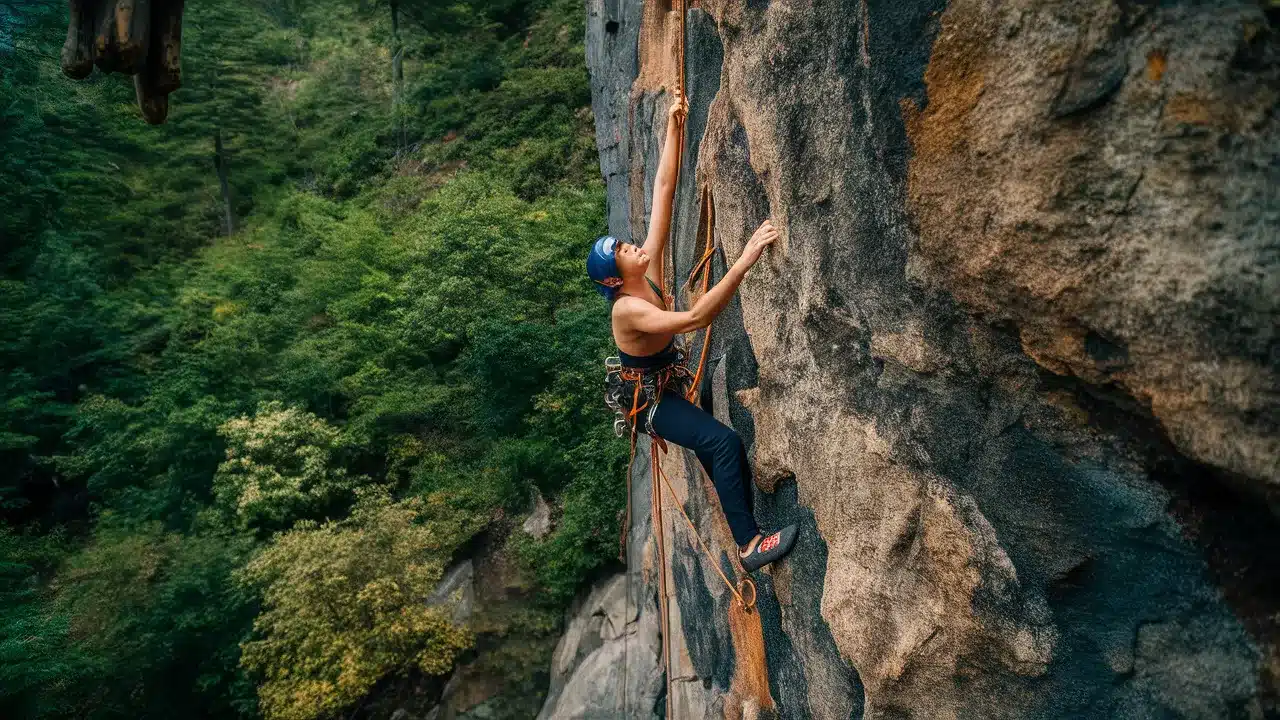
pixel 745 592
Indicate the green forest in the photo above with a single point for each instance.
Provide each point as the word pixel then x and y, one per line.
pixel 244 431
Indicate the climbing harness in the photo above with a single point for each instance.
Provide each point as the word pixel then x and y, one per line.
pixel 633 394
pixel 645 387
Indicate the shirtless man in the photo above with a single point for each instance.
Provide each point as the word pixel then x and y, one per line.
pixel 644 328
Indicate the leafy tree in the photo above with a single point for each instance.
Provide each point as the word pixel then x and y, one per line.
pixel 345 604
pixel 160 617
pixel 280 467
pixel 402 301
pixel 36 672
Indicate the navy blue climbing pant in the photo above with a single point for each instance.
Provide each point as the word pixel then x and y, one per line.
pixel 721 453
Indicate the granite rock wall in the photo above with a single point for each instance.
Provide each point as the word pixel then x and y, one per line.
pixel 1013 365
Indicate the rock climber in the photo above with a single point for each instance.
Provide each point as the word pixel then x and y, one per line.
pixel 649 357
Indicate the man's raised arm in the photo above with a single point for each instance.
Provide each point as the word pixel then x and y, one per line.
pixel 641 316
pixel 664 189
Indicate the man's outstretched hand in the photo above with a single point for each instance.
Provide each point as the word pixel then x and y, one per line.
pixel 762 238
pixel 679 109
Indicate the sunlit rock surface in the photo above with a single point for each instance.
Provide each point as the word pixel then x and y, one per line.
pixel 1012 366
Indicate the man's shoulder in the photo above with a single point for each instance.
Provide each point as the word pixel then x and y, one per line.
pixel 629 303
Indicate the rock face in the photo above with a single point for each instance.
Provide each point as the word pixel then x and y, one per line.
pixel 1013 365
pixel 538 524
pixel 606 647
pixel 457 590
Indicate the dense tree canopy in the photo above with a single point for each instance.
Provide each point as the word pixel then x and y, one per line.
pixel 237 454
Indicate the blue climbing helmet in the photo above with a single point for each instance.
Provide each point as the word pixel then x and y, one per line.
pixel 602 266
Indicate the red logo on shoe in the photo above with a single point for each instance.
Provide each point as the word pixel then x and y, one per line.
pixel 770 542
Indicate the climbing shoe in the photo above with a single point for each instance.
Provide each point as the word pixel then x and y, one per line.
pixel 773 546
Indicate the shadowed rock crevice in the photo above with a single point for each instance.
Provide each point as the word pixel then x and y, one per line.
pixel 807 674
pixel 1231 522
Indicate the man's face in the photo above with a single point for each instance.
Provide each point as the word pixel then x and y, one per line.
pixel 632 261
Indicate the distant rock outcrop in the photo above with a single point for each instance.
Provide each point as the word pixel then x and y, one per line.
pixel 604 648
pixel 1013 365
pixel 457 590
pixel 538 524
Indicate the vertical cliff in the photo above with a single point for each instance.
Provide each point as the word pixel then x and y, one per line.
pixel 1013 364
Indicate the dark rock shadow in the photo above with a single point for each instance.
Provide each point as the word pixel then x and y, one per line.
pixel 704 618
pixel 807 675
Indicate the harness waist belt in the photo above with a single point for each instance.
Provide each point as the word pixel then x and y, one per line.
pixel 664 357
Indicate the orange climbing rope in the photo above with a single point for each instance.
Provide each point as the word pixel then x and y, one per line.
pixel 664 595
pixel 658 446
pixel 660 473
pixel 680 85
pixel 703 266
